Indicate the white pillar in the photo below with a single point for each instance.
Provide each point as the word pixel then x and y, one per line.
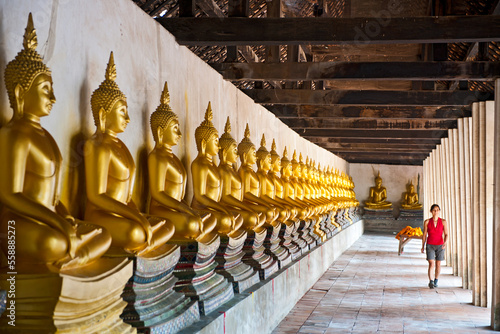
pixel 446 203
pixel 495 308
pixel 476 280
pixel 489 165
pixel 468 199
pixel 456 207
pixel 482 204
pixel 452 219
pixel 463 223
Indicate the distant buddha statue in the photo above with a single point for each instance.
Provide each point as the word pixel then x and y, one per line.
pixel 232 186
pixel 45 231
pixel 378 196
pixel 207 181
pixel 251 181
pixel 167 178
pixel 267 184
pixel 411 199
pixel 110 173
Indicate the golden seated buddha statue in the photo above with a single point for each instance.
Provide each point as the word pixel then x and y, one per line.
pixel 110 172
pixel 48 236
pixel 378 196
pixel 207 181
pixel 267 184
pixel 167 178
pixel 251 181
pixel 411 199
pixel 232 186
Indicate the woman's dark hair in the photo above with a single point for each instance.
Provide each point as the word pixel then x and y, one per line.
pixel 435 206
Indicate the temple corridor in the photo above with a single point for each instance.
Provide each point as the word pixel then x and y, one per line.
pixel 369 289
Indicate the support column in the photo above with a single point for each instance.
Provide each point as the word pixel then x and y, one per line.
pixel 452 220
pixel 476 281
pixel 463 224
pixel 468 199
pixel 489 165
pixel 446 202
pixel 482 205
pixel 456 206
pixel 495 303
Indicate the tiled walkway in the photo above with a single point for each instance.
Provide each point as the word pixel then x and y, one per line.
pixel 370 289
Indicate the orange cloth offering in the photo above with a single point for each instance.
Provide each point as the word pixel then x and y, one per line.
pixel 410 231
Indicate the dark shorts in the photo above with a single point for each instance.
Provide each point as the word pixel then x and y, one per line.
pixel 434 252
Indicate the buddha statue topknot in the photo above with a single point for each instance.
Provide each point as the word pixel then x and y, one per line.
pixel 48 237
pixel 110 175
pixel 168 177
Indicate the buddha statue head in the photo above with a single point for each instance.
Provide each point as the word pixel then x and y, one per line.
pixel 109 104
pixel 295 164
pixel 229 151
pixel 286 164
pixel 164 122
pixel 206 135
pixel 28 80
pixel 378 180
pixel 263 156
pixel 246 149
pixel 275 158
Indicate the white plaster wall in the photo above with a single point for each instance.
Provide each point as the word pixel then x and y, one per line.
pixel 75 38
pixel 394 178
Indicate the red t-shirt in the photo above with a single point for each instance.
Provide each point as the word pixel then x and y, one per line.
pixel 435 233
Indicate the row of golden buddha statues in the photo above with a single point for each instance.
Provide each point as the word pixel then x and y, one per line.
pixel 237 217
pixel 378 197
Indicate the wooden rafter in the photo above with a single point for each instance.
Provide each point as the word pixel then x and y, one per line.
pixel 325 30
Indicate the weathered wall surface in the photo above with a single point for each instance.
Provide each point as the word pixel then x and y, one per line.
pixel 75 38
pixel 394 178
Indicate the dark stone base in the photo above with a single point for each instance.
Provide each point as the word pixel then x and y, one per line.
pixel 256 257
pixel 197 277
pixel 229 257
pixel 153 304
pixel 274 248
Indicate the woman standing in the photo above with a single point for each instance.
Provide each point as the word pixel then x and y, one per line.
pixel 436 236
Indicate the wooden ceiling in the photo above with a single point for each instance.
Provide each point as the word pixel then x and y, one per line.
pixel 372 81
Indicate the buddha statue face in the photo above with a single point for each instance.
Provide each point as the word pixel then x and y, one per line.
pixel 212 144
pixel 287 170
pixel 232 153
pixel 250 157
pixel 172 133
pixel 411 188
pixel 277 165
pixel 266 162
pixel 116 120
pixel 39 98
pixel 378 182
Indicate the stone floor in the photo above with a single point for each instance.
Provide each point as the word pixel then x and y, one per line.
pixel 370 289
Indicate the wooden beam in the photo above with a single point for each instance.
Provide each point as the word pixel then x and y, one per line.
pixel 375 147
pixel 377 150
pixel 385 134
pixel 368 112
pixel 374 141
pixel 210 8
pixel 366 97
pixel 385 161
pixel 325 30
pixel 429 70
pixel 379 155
pixel 187 8
pixel 393 124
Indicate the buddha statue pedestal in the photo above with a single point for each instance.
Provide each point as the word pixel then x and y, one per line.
pixel 297 238
pixel 229 257
pixel 306 233
pixel 286 239
pixel 197 277
pixel 273 245
pixel 411 214
pixel 256 255
pixel 378 213
pixel 83 300
pixel 153 305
